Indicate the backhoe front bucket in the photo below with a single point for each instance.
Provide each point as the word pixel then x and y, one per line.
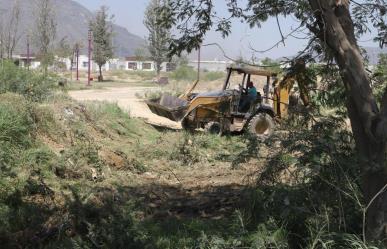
pixel 169 107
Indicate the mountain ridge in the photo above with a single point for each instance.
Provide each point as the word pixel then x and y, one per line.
pixel 72 23
pixel 373 54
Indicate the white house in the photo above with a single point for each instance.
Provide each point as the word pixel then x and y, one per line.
pixel 211 66
pixel 168 66
pixel 83 63
pixel 23 60
pixel 133 63
pixel 129 63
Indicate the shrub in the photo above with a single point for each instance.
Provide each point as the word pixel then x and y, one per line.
pixel 184 73
pixel 310 183
pixel 186 151
pixel 34 85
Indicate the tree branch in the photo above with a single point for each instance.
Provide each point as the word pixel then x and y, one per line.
pixel 237 61
pixel 280 30
pixel 283 38
pixel 365 210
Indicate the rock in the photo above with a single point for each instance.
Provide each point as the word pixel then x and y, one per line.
pixel 94 174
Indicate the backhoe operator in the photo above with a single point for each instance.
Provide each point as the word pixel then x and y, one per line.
pixel 249 98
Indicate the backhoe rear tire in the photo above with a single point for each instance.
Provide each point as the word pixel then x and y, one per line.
pixel 261 125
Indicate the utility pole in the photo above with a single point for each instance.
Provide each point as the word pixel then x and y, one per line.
pixel 89 64
pixel 199 61
pixel 77 59
pixel 28 52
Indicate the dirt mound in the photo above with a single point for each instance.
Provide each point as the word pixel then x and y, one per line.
pixel 126 98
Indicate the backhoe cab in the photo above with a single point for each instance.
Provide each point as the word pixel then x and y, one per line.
pixel 230 109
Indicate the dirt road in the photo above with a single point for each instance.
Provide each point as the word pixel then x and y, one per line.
pixel 126 98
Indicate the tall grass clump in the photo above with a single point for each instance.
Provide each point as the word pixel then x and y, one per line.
pixel 145 75
pixel 22 161
pixel 16 126
pixel 111 115
pixel 124 74
pixel 34 85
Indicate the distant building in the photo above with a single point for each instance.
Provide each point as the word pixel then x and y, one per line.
pixel 130 63
pixel 23 60
pixel 168 66
pixel 133 63
pixel 211 66
pixel 83 63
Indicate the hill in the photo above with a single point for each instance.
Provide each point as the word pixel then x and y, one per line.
pixel 72 23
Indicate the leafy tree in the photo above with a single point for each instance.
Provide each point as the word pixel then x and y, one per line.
pixel 333 27
pixel 381 76
pixel 102 30
pixel 181 60
pixel 271 64
pixel 64 50
pixel 159 34
pixel 381 68
pixel 45 30
pixel 140 53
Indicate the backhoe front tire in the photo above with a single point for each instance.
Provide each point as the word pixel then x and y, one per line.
pixel 261 125
pixel 214 128
pixel 185 124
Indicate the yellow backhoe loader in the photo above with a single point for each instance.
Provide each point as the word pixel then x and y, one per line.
pixel 220 111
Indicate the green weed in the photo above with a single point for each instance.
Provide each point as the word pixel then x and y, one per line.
pixel 33 85
pixel 212 76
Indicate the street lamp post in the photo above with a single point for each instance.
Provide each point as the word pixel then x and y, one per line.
pixel 89 64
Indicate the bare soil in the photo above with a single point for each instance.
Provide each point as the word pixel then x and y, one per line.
pixel 205 191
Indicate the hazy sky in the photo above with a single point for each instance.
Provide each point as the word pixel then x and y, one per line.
pixel 129 13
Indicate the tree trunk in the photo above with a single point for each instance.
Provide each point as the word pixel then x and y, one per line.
pixel 369 124
pixel 158 70
pixel 100 77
